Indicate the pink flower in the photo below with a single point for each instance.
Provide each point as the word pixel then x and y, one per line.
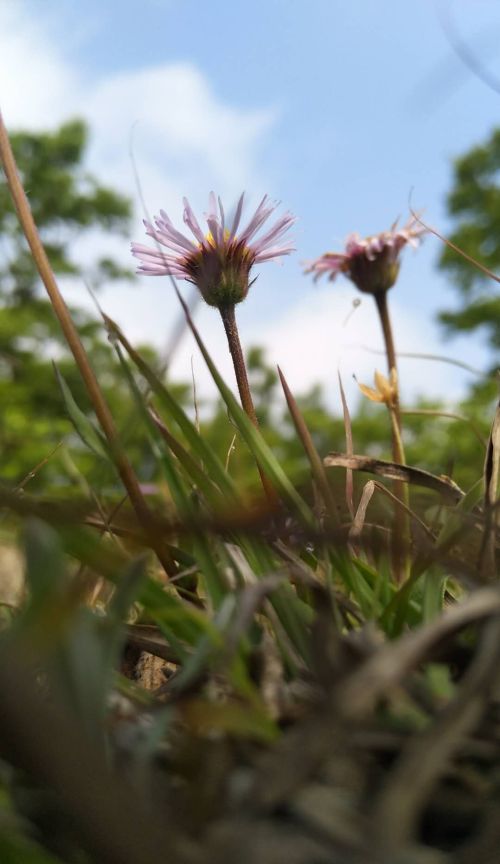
pixel 218 262
pixel 372 263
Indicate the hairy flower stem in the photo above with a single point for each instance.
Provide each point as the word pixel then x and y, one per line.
pixel 101 408
pixel 401 551
pixel 228 315
pixel 385 321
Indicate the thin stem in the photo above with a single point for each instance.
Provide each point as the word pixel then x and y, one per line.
pixel 401 521
pixel 228 315
pixel 385 321
pixel 394 409
pixel 96 397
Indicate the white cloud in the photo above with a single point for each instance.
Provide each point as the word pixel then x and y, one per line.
pixel 36 82
pixel 185 136
pixel 179 123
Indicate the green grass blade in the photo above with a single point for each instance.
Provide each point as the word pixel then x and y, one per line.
pixel 197 443
pixel 251 435
pixel 90 436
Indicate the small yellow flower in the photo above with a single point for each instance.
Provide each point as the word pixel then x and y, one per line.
pixel 386 389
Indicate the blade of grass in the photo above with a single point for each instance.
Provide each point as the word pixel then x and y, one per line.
pixel 176 413
pixel 360 515
pixel 454 528
pixel 210 568
pixel 349 484
pixel 253 438
pixel 315 462
pixel 83 426
pixel 177 491
pixel 487 563
pixel 194 471
pixel 450 415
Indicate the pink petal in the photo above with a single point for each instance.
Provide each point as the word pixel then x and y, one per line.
pixel 274 252
pixel 167 230
pixel 279 228
pixel 215 230
pixel 191 221
pixel 212 204
pixel 166 240
pixel 260 216
pixel 237 217
pixel 354 244
pixel 222 220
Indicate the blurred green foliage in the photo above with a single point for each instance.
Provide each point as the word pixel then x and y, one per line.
pixel 68 203
pixel 474 207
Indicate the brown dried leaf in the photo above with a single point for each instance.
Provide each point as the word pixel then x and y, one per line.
pixel 444 486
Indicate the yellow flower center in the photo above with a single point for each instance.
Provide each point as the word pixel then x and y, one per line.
pixel 210 238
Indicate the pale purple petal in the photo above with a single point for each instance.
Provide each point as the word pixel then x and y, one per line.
pixel 215 230
pixel 169 236
pixel 192 222
pixel 156 258
pixel 354 244
pixel 274 252
pixel 260 216
pixel 164 222
pixel 222 219
pixel 160 268
pixel 152 271
pixel 331 263
pixel 212 218
pixel 139 249
pixel 212 204
pixel 166 229
pixel 414 242
pixel 374 245
pixel 153 260
pixel 279 228
pixel 166 240
pixel 237 217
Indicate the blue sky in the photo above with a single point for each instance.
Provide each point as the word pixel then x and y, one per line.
pixel 337 108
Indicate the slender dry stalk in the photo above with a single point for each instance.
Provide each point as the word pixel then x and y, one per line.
pixel 402 531
pixel 72 337
pixel 393 406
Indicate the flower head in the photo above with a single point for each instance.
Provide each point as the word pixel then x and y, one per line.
pixel 218 262
pixel 386 389
pixel 372 263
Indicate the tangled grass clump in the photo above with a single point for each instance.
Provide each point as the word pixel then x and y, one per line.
pixel 199 677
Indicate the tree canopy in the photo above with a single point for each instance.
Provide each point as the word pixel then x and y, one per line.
pixel 474 207
pixel 67 202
